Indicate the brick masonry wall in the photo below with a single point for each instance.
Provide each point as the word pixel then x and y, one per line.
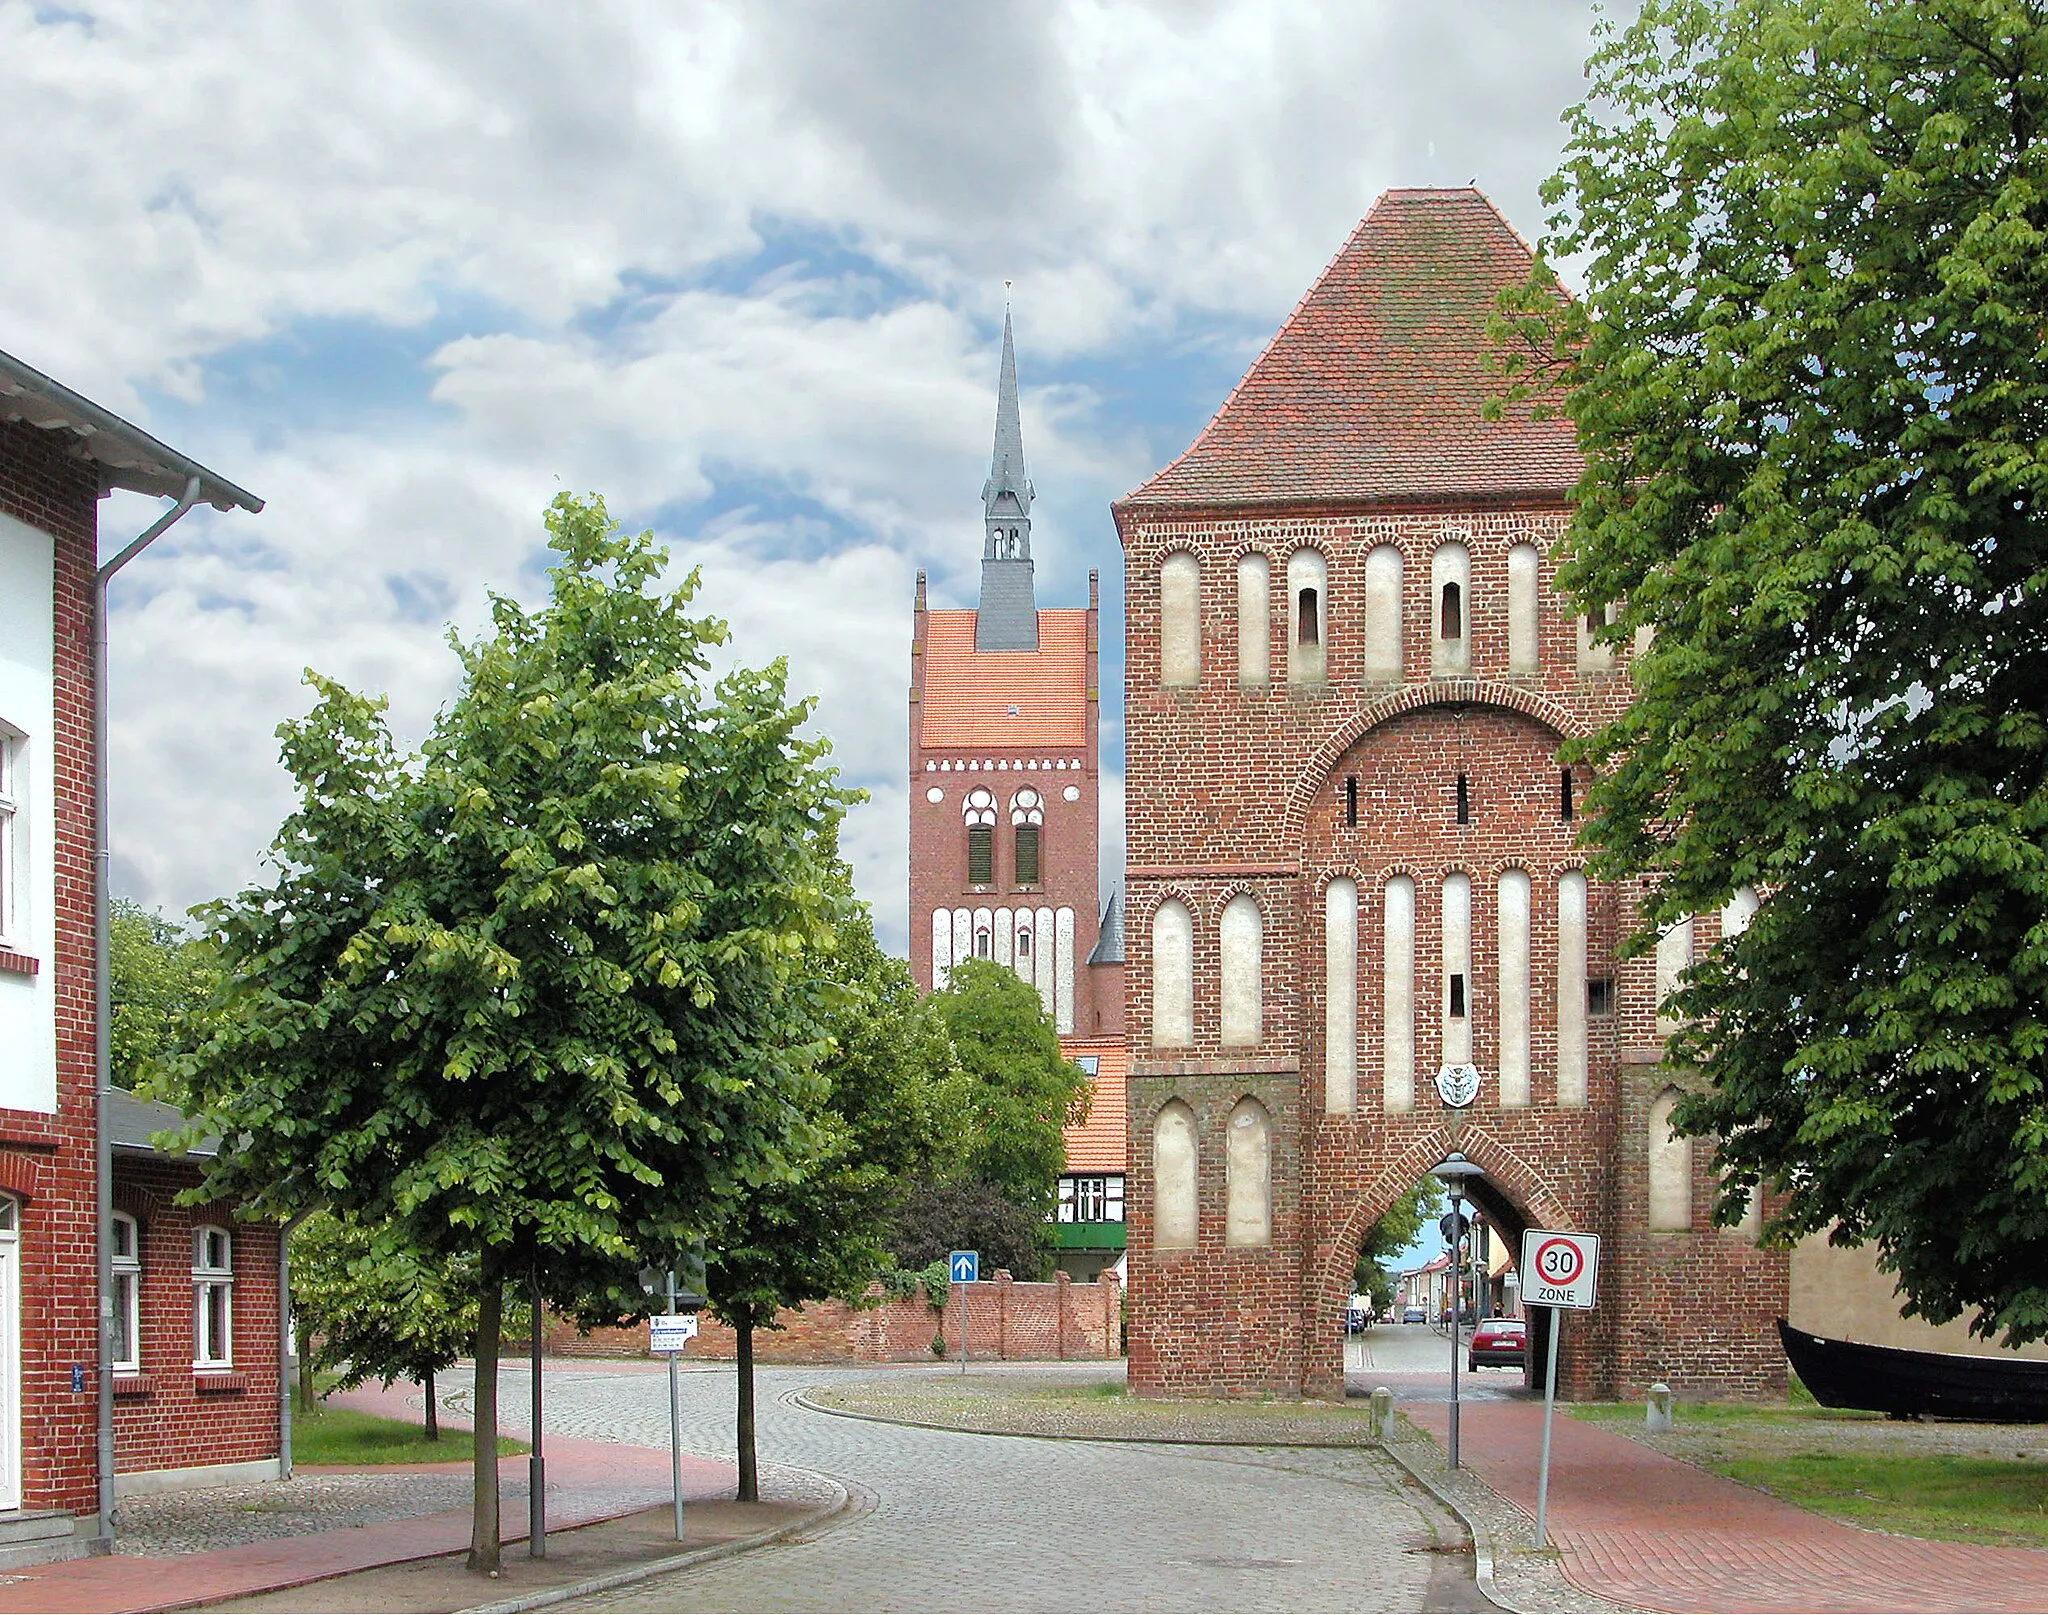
pixel 1060 1321
pixel 1232 789
pixel 1069 841
pixel 48 1160
pixel 169 1416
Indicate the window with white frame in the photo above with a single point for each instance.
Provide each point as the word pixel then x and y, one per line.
pixel 127 1295
pixel 213 1298
pixel 11 807
pixel 1092 1199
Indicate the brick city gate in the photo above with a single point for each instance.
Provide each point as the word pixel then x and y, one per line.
pixel 1352 856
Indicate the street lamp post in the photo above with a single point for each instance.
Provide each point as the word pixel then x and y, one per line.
pixel 1452 1171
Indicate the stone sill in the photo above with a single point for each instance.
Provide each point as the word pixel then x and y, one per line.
pixel 218 1382
pixel 127 1384
pixel 19 964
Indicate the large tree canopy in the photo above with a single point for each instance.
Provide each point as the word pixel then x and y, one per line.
pixel 1810 374
pixel 158 981
pixel 536 996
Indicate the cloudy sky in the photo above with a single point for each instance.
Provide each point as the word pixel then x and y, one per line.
pixel 407 269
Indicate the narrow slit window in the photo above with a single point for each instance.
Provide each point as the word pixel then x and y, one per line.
pixel 1599 995
pixel 1457 996
pixel 1564 794
pixel 1023 944
pixel 1351 800
pixel 1452 625
pixel 1464 799
pixel 1308 618
pixel 981 944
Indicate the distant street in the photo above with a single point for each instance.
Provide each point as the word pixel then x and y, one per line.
pixel 954 1521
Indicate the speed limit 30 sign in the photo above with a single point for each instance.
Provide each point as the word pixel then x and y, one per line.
pixel 1559 1269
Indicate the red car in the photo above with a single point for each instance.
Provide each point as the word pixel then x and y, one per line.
pixel 1499 1343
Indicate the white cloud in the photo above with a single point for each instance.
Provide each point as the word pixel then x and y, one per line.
pixel 737 266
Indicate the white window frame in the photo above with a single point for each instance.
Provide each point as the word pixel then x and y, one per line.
pixel 211 1276
pixel 12 813
pixel 127 1268
pixel 1100 1192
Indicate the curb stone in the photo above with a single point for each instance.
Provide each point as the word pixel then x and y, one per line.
pixel 840 1503
pixel 1482 1539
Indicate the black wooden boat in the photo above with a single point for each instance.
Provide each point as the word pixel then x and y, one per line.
pixel 1908 1384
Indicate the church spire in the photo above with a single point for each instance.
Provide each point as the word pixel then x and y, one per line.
pixel 1008 618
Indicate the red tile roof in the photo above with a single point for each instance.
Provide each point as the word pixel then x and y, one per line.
pixel 968 693
pixel 1373 387
pixel 1097 1145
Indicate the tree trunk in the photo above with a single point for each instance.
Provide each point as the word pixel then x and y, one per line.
pixel 433 1410
pixel 750 1478
pixel 483 1523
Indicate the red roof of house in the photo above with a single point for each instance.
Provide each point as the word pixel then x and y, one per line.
pixel 1097 1145
pixel 1373 387
pixel 969 694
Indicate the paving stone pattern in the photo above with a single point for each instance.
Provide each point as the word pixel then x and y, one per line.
pixel 962 1521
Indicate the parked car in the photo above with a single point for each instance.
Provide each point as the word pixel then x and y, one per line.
pixel 1499 1343
pixel 1355 1320
pixel 1414 1315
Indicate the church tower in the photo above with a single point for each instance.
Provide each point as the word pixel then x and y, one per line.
pixel 1005 820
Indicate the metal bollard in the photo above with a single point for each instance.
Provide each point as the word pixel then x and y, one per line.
pixel 1657 1415
pixel 1382 1414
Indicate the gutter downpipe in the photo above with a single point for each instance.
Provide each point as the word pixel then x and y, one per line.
pixel 103 1146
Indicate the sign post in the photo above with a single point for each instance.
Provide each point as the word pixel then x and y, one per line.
pixel 1559 1271
pixel 964 1268
pixel 667 1334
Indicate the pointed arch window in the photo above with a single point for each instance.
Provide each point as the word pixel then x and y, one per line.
pixel 1180 620
pixel 1174 1159
pixel 979 811
pixel 1027 816
pixel 1307 581
pixel 1248 1170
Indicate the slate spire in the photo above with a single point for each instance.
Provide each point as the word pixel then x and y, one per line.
pixel 1008 617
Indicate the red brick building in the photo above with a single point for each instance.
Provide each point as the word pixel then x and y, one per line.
pixel 188 1386
pixel 1005 818
pixel 1352 857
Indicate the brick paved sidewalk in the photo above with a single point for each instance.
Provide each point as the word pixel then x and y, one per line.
pixel 587 1481
pixel 1639 1528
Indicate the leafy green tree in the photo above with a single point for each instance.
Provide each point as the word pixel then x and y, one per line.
pixel 1018 1091
pixel 158 981
pixel 369 1307
pixel 534 998
pixel 949 1213
pixel 1391 1235
pixel 883 1123
pixel 1810 375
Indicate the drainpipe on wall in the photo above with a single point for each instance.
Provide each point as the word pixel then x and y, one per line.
pixel 286 1361
pixel 103 1148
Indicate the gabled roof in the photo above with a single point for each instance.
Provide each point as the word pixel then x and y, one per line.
pixel 1005 697
pixel 125 455
pixel 1098 1144
pixel 1373 388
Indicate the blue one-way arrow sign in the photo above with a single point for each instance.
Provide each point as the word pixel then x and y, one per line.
pixel 964 1266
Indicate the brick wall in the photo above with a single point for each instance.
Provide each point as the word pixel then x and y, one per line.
pixel 1059 1321
pixel 170 1416
pixel 1234 789
pixel 48 1160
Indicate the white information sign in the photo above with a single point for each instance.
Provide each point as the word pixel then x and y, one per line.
pixel 670 1332
pixel 1559 1269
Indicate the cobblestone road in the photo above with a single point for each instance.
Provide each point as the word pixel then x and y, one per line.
pixel 956 1521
